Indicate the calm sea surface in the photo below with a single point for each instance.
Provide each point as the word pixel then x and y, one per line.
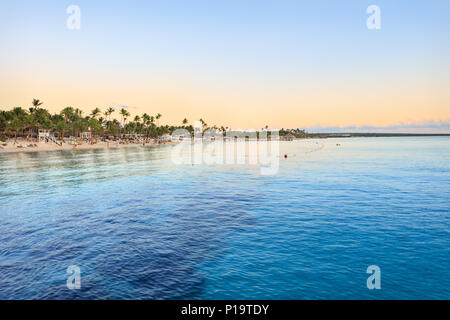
pixel 139 226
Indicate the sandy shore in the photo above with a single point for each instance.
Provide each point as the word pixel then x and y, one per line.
pixel 13 148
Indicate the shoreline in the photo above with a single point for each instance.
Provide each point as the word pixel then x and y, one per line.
pixel 47 147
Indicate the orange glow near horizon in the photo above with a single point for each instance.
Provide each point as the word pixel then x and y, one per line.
pixel 253 106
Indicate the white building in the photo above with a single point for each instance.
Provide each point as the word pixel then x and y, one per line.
pixel 44 135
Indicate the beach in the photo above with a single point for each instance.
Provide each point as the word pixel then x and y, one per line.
pixel 29 146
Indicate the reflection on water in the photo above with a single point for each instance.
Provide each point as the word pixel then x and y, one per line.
pixel 139 226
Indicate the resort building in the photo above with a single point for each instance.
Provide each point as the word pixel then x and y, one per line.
pixel 288 137
pixel 86 135
pixel 44 135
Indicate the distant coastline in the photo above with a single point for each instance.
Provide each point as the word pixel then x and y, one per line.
pixel 11 147
pixel 36 129
pixel 377 134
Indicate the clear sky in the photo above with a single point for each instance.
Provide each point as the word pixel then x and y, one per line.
pixel 233 63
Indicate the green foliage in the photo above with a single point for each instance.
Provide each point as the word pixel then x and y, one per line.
pixel 71 122
pixel 296 133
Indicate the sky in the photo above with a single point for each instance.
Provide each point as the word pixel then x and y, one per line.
pixel 242 64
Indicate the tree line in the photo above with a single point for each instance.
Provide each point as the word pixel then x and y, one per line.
pixel 20 122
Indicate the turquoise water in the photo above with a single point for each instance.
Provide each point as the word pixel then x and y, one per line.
pixel 139 226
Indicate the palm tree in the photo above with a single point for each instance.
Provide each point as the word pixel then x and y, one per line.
pixel 124 113
pixel 158 116
pixel 95 113
pixel 204 125
pixel 109 112
pixel 15 125
pixel 61 126
pixel 185 121
pixel 18 122
pixel 114 125
pixel 79 112
pixel 36 103
pixel 68 114
pixel 145 118
pixel 145 123
pixel 41 118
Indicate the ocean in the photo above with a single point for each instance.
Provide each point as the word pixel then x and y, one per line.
pixel 139 226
